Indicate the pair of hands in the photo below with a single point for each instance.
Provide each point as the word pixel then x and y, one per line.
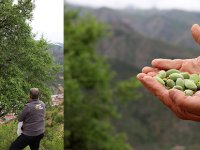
pixel 184 107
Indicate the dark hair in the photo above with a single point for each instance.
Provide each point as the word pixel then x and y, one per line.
pixel 34 93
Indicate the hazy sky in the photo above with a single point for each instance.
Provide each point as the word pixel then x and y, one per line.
pixel 193 5
pixel 48 19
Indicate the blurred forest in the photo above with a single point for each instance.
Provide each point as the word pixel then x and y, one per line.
pixel 91 97
pixel 133 38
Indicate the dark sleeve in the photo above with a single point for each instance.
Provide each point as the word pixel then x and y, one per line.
pixel 23 114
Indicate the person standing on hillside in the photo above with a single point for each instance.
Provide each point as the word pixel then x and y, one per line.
pixel 184 107
pixel 32 118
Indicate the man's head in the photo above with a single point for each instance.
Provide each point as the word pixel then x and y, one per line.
pixel 34 93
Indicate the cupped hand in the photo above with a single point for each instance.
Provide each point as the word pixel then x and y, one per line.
pixel 184 107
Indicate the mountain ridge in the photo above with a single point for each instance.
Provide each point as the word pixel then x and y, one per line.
pixel 147 122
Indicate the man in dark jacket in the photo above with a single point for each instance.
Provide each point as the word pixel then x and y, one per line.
pixel 32 116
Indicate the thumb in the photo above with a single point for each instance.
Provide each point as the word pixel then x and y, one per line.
pixel 167 63
pixel 195 29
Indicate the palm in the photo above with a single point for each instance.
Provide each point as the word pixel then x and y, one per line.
pixel 185 107
pixel 185 65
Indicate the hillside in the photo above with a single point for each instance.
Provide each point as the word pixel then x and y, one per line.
pixel 135 37
pixel 57 51
pixel 171 26
pixel 126 45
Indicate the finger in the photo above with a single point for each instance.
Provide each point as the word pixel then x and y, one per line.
pixel 167 63
pixel 152 74
pixel 157 89
pixel 148 85
pixel 149 69
pixel 195 29
pixel 140 76
pixel 153 85
pixel 190 104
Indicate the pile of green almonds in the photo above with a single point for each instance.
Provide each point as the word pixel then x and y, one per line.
pixel 189 83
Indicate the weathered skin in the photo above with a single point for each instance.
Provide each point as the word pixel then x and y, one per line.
pixel 183 106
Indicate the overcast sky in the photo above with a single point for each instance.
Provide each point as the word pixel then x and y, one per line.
pixel 191 5
pixel 48 20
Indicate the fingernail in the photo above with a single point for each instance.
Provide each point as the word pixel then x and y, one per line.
pixel 194 26
pixel 139 76
pixel 154 62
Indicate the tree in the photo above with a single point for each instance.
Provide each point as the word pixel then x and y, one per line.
pixel 89 106
pixel 24 62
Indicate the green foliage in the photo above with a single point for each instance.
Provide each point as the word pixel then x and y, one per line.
pixel 8 133
pixel 124 90
pixel 54 134
pixel 25 62
pixel 89 100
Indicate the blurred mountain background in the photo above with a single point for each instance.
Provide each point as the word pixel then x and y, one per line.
pixel 56 50
pixel 135 37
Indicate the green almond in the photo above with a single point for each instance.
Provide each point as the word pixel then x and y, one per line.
pixel 190 84
pixel 185 75
pixel 195 78
pixel 175 76
pixel 161 74
pixel 159 80
pixel 170 83
pixel 189 92
pixel 178 87
pixel 180 82
pixel 198 85
pixel 171 71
